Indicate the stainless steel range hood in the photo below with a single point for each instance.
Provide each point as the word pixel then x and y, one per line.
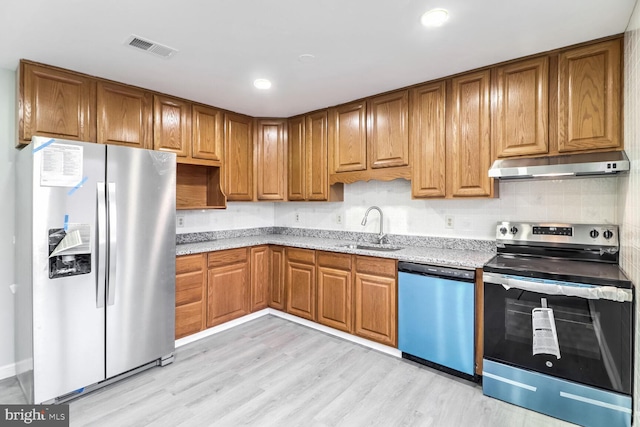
pixel 564 166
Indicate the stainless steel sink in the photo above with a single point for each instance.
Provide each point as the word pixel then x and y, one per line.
pixel 370 247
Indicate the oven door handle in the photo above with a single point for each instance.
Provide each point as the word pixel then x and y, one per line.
pixel 611 293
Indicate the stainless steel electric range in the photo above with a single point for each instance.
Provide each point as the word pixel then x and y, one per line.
pixel 558 322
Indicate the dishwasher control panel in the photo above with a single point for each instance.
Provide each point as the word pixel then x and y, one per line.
pixel 435 270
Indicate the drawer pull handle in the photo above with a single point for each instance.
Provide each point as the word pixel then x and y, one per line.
pixel 595 402
pixel 508 381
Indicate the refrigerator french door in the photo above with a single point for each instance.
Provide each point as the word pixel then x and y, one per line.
pixel 105 306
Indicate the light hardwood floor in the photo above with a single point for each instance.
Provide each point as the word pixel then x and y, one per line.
pixel 272 372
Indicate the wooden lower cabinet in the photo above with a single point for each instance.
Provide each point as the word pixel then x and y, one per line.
pixel 376 300
pixel 300 283
pixel 228 286
pixel 334 290
pixel 191 280
pixel 277 297
pixel 259 278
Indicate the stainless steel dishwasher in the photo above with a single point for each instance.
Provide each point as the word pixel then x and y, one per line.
pixel 436 317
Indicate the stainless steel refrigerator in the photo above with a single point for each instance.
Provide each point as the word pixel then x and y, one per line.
pixel 95 265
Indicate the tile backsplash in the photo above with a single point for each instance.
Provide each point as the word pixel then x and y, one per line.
pixel 629 189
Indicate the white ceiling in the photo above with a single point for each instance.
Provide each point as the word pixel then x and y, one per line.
pixel 362 47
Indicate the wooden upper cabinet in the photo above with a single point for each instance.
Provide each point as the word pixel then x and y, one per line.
pixel 469 136
pixel 349 137
pixel 270 159
pixel 238 150
pixel 296 159
pixel 521 108
pixel 388 130
pixel 427 132
pixel 589 98
pixel 172 125
pixel 208 133
pixel 125 115
pixel 316 148
pixel 55 103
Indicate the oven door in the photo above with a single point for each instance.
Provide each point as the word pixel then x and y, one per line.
pixel 583 333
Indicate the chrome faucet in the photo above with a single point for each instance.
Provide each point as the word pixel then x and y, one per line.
pixel 381 235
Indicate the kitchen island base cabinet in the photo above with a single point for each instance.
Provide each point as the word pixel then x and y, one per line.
pixel 376 282
pixel 334 290
pixel 191 306
pixel 228 286
pixel 300 283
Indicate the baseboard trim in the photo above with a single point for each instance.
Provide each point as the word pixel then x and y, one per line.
pixel 7 371
pixel 220 328
pixel 291 318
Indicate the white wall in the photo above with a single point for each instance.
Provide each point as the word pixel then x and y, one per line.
pixel 629 190
pixel 238 215
pixel 579 200
pixel 7 142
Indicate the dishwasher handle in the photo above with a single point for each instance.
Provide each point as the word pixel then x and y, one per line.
pixel 437 271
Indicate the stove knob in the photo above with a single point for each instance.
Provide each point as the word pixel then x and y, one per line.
pixel 514 230
pixel 503 230
pixel 608 234
pixel 594 233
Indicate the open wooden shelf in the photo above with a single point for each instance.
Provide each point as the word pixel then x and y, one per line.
pixel 198 187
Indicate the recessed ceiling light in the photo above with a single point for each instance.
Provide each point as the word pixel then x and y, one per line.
pixel 306 57
pixel 262 83
pixel 434 17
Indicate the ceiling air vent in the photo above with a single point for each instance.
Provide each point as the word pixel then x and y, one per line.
pixel 150 46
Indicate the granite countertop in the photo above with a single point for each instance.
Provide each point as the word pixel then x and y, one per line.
pixel 459 257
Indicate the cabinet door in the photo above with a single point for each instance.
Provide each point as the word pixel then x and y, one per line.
pixel 208 133
pixel 172 125
pixel 270 159
pixel 296 160
pixel 469 140
pixel 125 116
pixel 191 284
pixel 55 103
pixel 238 149
pixel 428 132
pixel 316 140
pixel 375 300
pixel 259 278
pixel 334 291
pixel 589 98
pixel 228 286
pixel 521 108
pixel 349 137
pixel 388 131
pixel 277 272
pixel 301 283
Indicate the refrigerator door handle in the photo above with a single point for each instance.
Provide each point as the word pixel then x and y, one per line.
pixel 113 243
pixel 102 245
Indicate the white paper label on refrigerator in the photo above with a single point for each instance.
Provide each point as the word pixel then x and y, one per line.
pixel 61 165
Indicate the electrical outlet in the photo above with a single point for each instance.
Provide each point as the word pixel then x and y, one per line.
pixel 448 221
pixel 180 221
pixel 339 219
pixel 296 217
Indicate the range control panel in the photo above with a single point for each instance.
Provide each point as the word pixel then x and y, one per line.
pixel 605 235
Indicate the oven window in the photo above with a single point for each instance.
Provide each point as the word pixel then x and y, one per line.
pixel 594 336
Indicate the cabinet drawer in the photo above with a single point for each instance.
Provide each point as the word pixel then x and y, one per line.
pixel 376 266
pixel 334 260
pixel 189 288
pixel 307 256
pixel 230 256
pixel 189 319
pixel 189 263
